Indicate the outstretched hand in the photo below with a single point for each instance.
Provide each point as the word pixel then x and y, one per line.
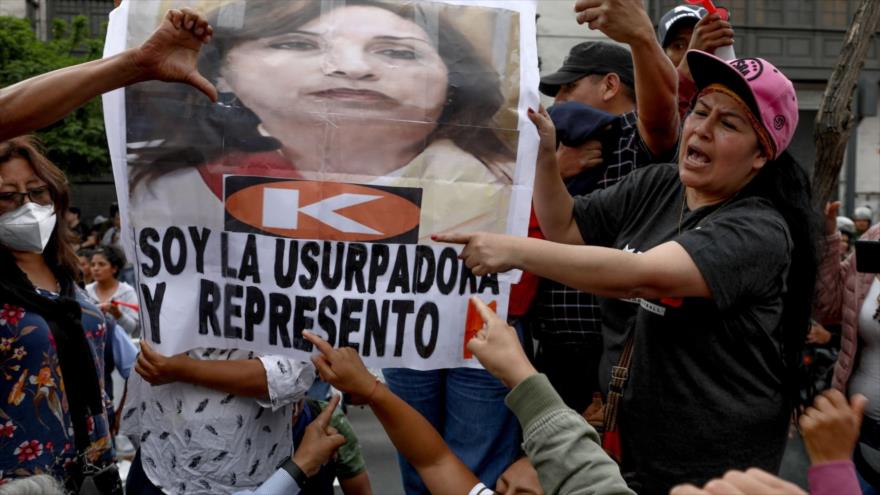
pixel 546 130
pixel 818 334
pixel 343 369
pixel 831 212
pixel 498 349
pixel 111 309
pixel 624 21
pixel 830 427
pixel 319 441
pixel 484 253
pixel 171 52
pixel 741 483
pixel 156 368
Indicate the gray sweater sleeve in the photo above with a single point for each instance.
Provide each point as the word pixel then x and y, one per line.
pixel 130 318
pixel 562 446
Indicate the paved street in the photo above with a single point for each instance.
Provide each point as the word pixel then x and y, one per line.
pixel 378 452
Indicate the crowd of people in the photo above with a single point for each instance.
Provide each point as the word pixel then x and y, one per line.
pixel 676 281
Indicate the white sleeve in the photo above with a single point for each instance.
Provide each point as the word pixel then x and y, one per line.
pixel 279 482
pixel 480 489
pixel 288 380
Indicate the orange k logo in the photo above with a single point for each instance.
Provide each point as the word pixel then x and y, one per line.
pixel 322 210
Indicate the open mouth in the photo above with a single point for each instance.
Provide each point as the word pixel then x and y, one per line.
pixel 350 94
pixel 697 157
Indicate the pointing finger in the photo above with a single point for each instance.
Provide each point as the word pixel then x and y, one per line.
pixel 858 404
pixel 147 350
pixel 484 310
pixel 323 419
pixel 318 342
pixel 452 237
pixel 337 440
pixel 324 369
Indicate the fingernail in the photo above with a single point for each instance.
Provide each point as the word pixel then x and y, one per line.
pixel 530 110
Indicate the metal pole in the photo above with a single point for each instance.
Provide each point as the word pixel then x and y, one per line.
pixel 852 150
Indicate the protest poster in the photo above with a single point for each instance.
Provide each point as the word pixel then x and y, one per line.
pixel 346 133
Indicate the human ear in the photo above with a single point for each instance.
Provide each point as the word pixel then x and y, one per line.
pixel 610 86
pixel 759 160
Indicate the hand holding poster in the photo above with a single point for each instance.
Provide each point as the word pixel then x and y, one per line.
pixel 345 135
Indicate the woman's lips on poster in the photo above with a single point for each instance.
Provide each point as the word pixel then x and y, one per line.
pixel 352 94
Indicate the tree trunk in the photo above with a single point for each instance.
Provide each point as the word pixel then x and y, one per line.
pixel 835 120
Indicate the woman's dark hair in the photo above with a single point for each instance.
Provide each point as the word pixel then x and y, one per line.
pixel 85 253
pixel 785 184
pixel 59 254
pixel 474 90
pixel 114 256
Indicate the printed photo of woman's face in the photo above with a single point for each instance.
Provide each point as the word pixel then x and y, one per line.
pixel 418 94
pixel 360 60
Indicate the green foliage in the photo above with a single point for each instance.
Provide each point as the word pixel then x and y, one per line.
pixel 77 144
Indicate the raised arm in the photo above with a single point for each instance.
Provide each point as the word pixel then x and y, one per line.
pixel 833 273
pixel 245 377
pixel 664 271
pixel 412 435
pixel 553 203
pixel 562 446
pixel 656 79
pixel 169 55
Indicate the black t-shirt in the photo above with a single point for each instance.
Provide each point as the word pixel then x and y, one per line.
pixel 705 386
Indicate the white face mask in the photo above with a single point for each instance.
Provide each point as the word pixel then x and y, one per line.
pixel 27 228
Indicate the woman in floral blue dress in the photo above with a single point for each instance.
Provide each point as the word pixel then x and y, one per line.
pixel 53 416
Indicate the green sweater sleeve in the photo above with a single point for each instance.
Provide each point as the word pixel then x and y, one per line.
pixel 348 461
pixel 562 446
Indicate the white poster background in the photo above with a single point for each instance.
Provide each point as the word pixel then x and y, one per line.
pixel 205 304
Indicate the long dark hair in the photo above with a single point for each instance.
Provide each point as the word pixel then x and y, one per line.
pixel 473 92
pixel 113 255
pixel 785 184
pixel 59 253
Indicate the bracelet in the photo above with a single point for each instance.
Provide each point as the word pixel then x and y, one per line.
pixel 295 472
pixel 373 391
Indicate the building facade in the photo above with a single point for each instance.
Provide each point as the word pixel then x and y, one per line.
pixel 15 8
pixel 43 12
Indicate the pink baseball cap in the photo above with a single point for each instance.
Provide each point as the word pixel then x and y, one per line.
pixel 765 89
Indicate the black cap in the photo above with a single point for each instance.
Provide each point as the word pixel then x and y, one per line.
pixel 677 18
pixel 591 57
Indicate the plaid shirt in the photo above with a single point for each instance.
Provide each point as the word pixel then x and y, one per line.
pixel 569 316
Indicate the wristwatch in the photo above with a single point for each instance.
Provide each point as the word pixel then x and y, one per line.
pixel 295 472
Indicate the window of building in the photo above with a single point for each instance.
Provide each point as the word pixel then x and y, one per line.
pixel 768 12
pixel 800 13
pixel 96 12
pixel 834 14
